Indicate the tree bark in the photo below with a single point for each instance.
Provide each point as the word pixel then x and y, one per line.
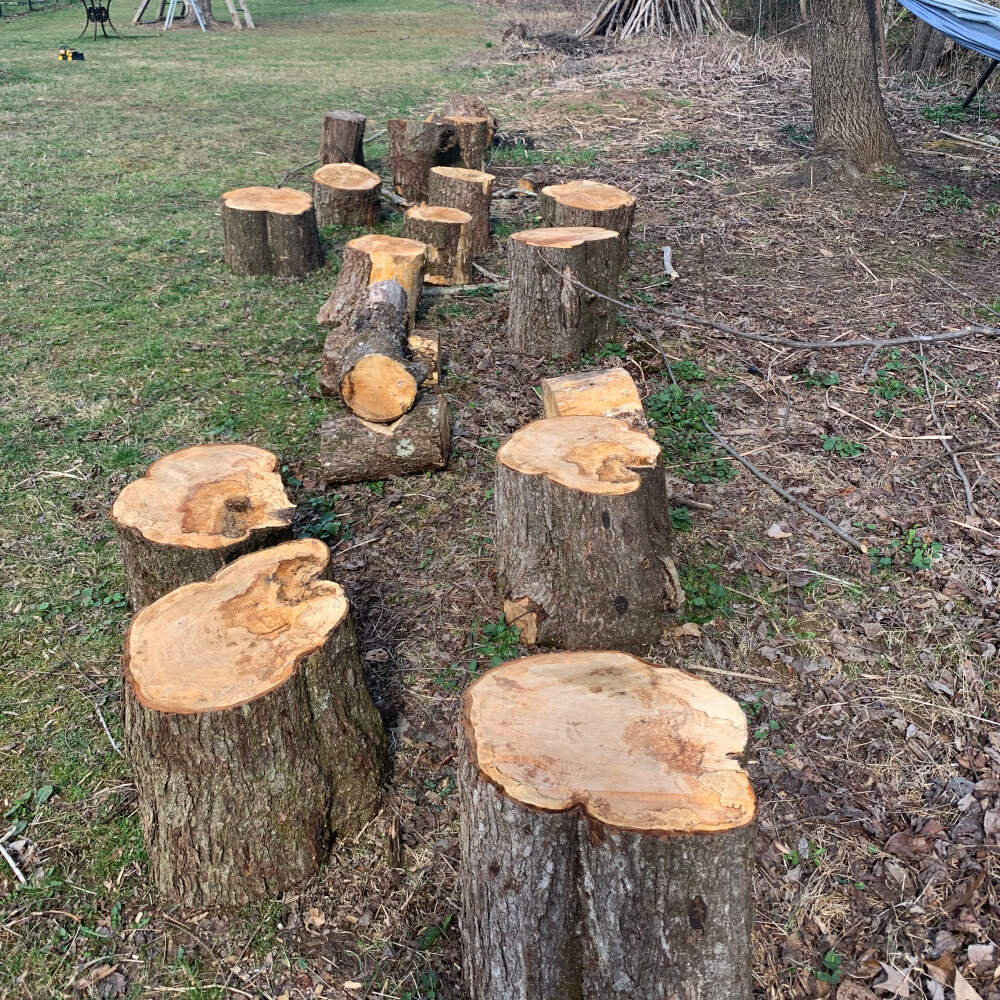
pixel 474 137
pixel 447 232
pixel 550 315
pixel 415 147
pixel 470 191
pixel 589 203
pixel 583 535
pixel 190 19
pixel 577 882
pixel 253 738
pixel 194 512
pixel 270 231
pixel 346 194
pixel 609 392
pixel 343 138
pixel 926 49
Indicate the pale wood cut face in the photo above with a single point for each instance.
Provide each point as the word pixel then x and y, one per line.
pixel 564 237
pixel 388 246
pixel 609 393
pixel 280 201
pixel 591 196
pixel 590 454
pixel 379 388
pixel 232 639
pixel 465 174
pixel 437 213
pixel 638 746
pixel 206 497
pixel 347 177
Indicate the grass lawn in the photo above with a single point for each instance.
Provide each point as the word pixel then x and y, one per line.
pixel 124 337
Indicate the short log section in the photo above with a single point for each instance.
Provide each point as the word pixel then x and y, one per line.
pixel 447 232
pixel 270 231
pixel 415 147
pixel 588 203
pixel 583 537
pixel 550 313
pixel 346 194
pixel 196 510
pixel 473 136
pixel 610 392
pixel 607 833
pixel 469 191
pixel 343 138
pixel 252 736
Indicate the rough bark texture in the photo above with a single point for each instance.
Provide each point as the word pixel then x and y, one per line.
pixel 343 138
pixel 588 203
pixel 850 124
pixel 448 235
pixel 926 49
pixel 190 19
pixel 356 451
pixel 270 231
pixel 415 147
pixel 550 315
pixel 346 194
pixel 610 392
pixel 464 106
pixel 474 137
pixel 470 191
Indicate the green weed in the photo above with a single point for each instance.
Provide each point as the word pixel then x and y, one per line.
pixel 680 144
pixel 916 549
pixel 706 598
pixel 678 416
pixel 842 447
pixel 816 379
pixel 945 198
pixel 680 519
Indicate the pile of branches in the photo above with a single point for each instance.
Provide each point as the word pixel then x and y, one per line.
pixel 627 18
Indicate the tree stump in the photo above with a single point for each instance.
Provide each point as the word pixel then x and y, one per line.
pixel 464 106
pixel 195 511
pixel 343 138
pixel 253 738
pixel 607 833
pixel 588 203
pixel 448 235
pixel 473 136
pixel 610 392
pixel 583 535
pixel 346 194
pixel 469 191
pixel 352 450
pixel 415 147
pixel 270 231
pixel 550 314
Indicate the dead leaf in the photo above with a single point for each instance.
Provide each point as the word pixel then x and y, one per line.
pixel 778 531
pixel 352 985
pixel 315 919
pixel 905 845
pixel 942 970
pixel 687 629
pixel 981 953
pixel 897 984
pixel 963 991
pixel 854 991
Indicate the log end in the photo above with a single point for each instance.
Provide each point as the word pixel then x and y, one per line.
pixel 277 201
pixel 464 174
pixel 609 392
pixel 378 388
pixel 563 237
pixel 347 177
pixel 590 196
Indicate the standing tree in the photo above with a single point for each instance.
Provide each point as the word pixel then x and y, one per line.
pixel 850 125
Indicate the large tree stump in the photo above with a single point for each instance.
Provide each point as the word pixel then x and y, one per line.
pixel 583 535
pixel 352 450
pixel 195 511
pixel 447 232
pixel 415 147
pixel 270 231
pixel 473 136
pixel 464 106
pixel 470 191
pixel 343 138
pixel 589 203
pixel 608 392
pixel 346 194
pixel 607 833
pixel 550 314
pixel 253 738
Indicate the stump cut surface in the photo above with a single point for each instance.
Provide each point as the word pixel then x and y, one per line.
pixel 347 177
pixel 279 201
pixel 590 196
pixel 563 237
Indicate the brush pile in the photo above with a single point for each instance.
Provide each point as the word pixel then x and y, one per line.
pixel 627 18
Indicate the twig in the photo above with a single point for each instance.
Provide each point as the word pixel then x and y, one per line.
pixel 13 865
pixel 435 291
pixel 489 274
pixel 888 434
pixel 387 192
pixel 685 502
pixel 292 173
pixel 730 673
pixel 516 193
pixel 375 135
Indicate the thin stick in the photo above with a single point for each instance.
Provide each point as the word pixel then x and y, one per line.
pixel 436 291
pixel 888 434
pixel 292 173
pixel 13 866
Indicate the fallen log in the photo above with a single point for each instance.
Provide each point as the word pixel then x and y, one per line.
pixel 609 392
pixel 447 233
pixel 346 194
pixel 469 191
pixel 343 138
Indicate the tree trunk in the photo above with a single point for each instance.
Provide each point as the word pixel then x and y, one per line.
pixel 252 736
pixel 609 392
pixel 583 535
pixel 195 511
pixel 469 191
pixel 415 147
pixel 607 833
pixel 346 194
pixel 352 450
pixel 474 137
pixel 190 19
pixel 850 124
pixel 343 138
pixel 448 235
pixel 926 49
pixel 550 315
pixel 589 203
pixel 270 231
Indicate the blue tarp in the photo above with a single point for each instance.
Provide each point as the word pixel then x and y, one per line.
pixel 972 25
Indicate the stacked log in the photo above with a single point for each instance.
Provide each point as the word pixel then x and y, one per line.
pixel 447 233
pixel 343 138
pixel 346 194
pixel 469 191
pixel 610 392
pixel 588 203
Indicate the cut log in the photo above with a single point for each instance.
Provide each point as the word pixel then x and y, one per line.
pixel 415 147
pixel 609 392
pixel 195 511
pixel 607 833
pixel 470 191
pixel 253 739
pixel 550 314
pixel 583 535
pixel 358 451
pixel 447 232
pixel 346 194
pixel 474 137
pixel 588 203
pixel 270 231
pixel 343 138
pixel 426 352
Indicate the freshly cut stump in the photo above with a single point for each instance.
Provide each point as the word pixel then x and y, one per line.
pixel 196 510
pixel 270 231
pixel 588 203
pixel 448 235
pixel 583 535
pixel 610 392
pixel 415 147
pixel 607 833
pixel 346 194
pixel 352 450
pixel 343 138
pixel 470 191
pixel 550 314
pixel 253 738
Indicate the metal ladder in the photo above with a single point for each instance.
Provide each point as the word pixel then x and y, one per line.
pixel 172 8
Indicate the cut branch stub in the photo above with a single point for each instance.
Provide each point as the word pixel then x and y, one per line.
pixel 583 535
pixel 470 191
pixel 607 833
pixel 447 232
pixel 343 138
pixel 346 194
pixel 550 313
pixel 588 203
pixel 253 738
pixel 270 231
pixel 195 511
pixel 609 392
